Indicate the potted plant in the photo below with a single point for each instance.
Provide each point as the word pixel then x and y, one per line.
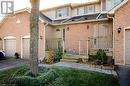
pixel 17 56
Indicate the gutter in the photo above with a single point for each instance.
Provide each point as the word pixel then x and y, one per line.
pixel 45 38
pixel 81 22
pixel 113 35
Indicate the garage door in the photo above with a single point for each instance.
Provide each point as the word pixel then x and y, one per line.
pixel 25 48
pixel 127 46
pixel 10 47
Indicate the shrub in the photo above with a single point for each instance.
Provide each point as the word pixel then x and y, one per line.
pixel 17 56
pixel 41 80
pixel 48 77
pixel 101 56
pixel 58 54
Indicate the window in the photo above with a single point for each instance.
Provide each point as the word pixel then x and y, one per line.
pixel 90 9
pixel 116 2
pixel 64 12
pixel 80 11
pixel 109 4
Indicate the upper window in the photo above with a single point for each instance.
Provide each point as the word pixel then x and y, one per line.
pixel 64 12
pixel 90 9
pixel 109 4
pixel 117 2
pixel 80 10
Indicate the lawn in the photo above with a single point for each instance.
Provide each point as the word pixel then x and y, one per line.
pixel 66 77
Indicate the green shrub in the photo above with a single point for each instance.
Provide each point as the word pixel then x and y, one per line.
pixel 101 56
pixel 17 56
pixel 48 77
pixel 41 80
pixel 58 54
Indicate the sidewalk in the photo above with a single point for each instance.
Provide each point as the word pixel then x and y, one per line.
pixel 81 67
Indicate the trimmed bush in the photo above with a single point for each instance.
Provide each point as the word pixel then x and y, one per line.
pixel 47 78
pixel 41 80
pixel 101 56
pixel 17 56
pixel 58 54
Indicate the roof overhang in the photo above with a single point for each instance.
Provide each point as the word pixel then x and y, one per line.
pixel 112 12
pixel 73 5
pixel 87 21
pixel 17 12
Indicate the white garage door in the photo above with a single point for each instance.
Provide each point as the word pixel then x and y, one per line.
pixel 25 48
pixel 127 46
pixel 10 47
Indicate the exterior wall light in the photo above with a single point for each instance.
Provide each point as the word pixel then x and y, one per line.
pixel 68 28
pixel 41 37
pixel 119 29
pixel 87 26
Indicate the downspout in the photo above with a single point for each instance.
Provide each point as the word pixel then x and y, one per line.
pixel 113 35
pixel 45 39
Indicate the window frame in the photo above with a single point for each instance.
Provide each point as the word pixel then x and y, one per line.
pixel 66 9
pixel 88 9
pixel 79 10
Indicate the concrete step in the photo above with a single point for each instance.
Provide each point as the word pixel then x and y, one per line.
pixel 69 60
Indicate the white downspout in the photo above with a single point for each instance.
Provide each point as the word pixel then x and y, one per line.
pixel 113 36
pixel 45 39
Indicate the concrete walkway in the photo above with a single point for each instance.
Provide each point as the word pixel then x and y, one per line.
pixel 11 63
pixel 124 75
pixel 81 67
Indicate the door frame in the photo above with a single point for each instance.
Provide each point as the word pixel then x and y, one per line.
pixel 24 37
pixel 127 28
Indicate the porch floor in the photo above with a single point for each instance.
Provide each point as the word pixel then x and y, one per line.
pixel 73 58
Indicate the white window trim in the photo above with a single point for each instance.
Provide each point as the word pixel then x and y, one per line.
pixel 58 17
pixel 78 12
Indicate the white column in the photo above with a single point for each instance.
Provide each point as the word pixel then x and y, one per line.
pixel 79 47
pixel 87 47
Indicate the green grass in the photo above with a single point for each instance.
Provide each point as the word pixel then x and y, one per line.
pixel 66 77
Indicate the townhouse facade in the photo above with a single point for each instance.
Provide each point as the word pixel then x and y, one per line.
pixel 79 29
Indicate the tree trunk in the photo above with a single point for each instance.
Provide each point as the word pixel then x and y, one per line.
pixel 34 36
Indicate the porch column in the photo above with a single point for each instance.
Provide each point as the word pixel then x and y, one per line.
pixel 63 46
pixel 79 46
pixel 87 47
pixel 45 27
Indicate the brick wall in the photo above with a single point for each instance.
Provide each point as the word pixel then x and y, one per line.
pixel 11 27
pixel 122 19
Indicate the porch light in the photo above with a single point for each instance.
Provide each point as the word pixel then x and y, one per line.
pixel 119 29
pixel 87 26
pixel 41 37
pixel 68 28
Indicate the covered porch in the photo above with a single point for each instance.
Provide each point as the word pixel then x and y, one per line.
pixel 82 40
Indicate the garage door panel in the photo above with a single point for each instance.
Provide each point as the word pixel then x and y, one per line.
pixel 25 48
pixel 10 47
pixel 127 46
